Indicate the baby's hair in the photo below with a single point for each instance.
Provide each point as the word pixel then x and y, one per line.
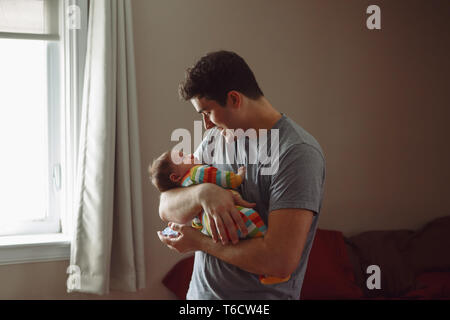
pixel 160 171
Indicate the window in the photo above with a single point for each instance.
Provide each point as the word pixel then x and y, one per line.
pixel 29 137
pixel 30 167
pixel 41 63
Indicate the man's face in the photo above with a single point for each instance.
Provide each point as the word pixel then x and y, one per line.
pixel 214 115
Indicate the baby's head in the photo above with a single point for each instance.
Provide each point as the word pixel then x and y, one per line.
pixel 166 174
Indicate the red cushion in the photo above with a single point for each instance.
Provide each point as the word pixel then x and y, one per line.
pixel 431 285
pixel 179 277
pixel 329 274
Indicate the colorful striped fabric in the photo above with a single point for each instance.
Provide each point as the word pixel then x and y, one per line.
pixel 206 173
pixel 255 225
pixel 226 179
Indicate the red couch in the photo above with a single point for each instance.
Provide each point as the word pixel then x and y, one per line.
pixel 414 265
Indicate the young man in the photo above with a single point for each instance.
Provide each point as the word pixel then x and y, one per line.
pixel 223 89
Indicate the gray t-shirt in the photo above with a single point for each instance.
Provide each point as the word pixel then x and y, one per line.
pixel 298 183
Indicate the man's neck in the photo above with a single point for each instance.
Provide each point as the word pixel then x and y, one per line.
pixel 261 114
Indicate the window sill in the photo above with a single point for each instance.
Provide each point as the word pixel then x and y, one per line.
pixel 34 248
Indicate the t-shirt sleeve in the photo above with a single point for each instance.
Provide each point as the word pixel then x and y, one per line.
pixel 299 181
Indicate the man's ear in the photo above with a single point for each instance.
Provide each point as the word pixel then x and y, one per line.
pixel 174 177
pixel 235 98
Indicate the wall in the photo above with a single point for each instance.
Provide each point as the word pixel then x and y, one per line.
pixel 377 101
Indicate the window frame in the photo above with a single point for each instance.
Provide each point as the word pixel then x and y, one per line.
pixel 65 79
pixel 51 222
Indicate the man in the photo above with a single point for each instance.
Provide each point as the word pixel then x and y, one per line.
pixel 223 89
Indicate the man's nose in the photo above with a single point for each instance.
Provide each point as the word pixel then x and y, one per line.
pixel 207 123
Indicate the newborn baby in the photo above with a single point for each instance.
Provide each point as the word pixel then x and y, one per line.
pixel 165 175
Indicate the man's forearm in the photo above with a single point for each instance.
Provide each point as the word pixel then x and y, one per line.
pixel 180 205
pixel 252 255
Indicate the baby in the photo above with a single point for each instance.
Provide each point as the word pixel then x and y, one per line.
pixel 165 175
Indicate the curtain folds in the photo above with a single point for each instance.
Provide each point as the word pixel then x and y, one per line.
pixel 108 244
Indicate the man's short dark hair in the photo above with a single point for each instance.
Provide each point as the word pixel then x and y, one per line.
pixel 216 74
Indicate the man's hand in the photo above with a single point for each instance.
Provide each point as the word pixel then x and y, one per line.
pixel 220 206
pixel 188 238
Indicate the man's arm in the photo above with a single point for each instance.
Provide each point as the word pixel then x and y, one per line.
pixel 276 254
pixel 181 205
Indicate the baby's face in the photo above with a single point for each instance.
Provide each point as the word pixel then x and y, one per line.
pixel 182 163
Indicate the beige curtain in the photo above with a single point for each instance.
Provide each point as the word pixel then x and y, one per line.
pixel 107 251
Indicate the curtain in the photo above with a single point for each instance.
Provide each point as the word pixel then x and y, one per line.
pixel 107 249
